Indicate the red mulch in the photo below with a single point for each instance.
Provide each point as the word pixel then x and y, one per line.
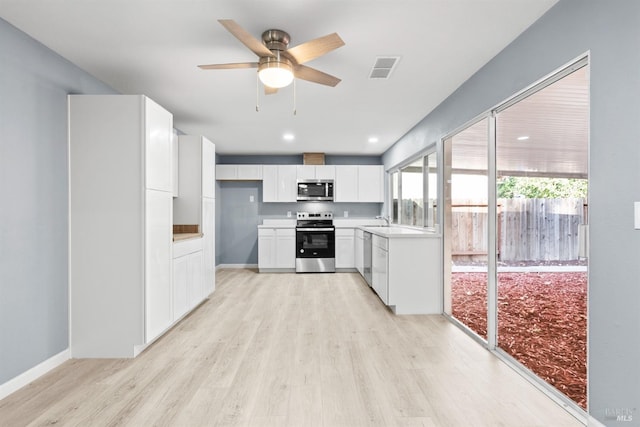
pixel 542 322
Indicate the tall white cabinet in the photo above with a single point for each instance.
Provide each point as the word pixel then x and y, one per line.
pixel 120 231
pixel 196 204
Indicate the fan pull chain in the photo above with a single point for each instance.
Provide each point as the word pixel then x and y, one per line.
pixel 257 94
pixel 295 111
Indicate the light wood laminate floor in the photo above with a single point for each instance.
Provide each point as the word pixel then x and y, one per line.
pixel 291 350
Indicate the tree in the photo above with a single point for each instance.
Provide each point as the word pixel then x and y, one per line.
pixel 510 187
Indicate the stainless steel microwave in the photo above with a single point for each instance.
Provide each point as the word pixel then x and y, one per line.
pixel 321 190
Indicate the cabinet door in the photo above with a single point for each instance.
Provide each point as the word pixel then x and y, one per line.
pixel 270 183
pixel 306 172
pixel 379 273
pixel 158 241
pixel 266 248
pixel 175 162
pixel 208 168
pixel 359 253
pixel 370 183
pixel 285 248
pixel 226 172
pixel 249 172
pixel 325 172
pixel 345 248
pixel 195 269
pixel 287 183
pixel 209 245
pixel 158 149
pixel 346 184
pixel 180 299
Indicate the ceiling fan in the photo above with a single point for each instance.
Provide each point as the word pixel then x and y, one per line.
pixel 278 64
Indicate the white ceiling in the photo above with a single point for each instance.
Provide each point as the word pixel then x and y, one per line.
pixel 152 47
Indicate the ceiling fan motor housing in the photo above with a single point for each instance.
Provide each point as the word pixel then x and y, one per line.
pixel 276 39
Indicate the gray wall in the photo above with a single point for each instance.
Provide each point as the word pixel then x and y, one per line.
pixel 34 83
pixel 237 218
pixel 611 32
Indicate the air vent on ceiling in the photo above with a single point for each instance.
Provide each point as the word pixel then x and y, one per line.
pixel 383 67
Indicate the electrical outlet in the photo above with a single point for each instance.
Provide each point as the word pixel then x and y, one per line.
pixel 251 198
pixel 346 214
pixel 288 214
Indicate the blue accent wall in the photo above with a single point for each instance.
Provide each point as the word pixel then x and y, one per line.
pixel 34 312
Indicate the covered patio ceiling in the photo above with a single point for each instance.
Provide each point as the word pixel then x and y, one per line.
pixel 544 135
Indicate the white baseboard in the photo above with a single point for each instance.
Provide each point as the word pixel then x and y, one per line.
pixel 33 374
pixel 592 422
pixel 218 267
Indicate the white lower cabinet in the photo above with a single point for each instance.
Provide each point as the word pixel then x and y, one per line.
pixel 276 249
pixel 406 271
pixel 345 248
pixel 188 276
pixel 359 251
pixel 158 232
pixel 195 273
pixel 209 245
pixel 180 278
pixel 380 267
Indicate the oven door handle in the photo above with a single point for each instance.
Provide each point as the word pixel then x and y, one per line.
pixel 315 229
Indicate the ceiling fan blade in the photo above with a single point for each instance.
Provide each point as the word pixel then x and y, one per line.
pixel 231 66
pixel 314 48
pixel 247 39
pixel 270 90
pixel 316 76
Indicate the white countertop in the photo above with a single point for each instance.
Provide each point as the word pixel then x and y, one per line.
pixel 397 231
pixel 337 222
pixel 278 223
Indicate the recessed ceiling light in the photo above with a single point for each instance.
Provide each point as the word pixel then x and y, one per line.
pixel 373 139
pixel 288 137
pixel 523 138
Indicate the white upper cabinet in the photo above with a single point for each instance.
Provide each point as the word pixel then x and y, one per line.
pixel 208 169
pixel 363 183
pixel 370 183
pixel 175 164
pixel 353 183
pixel 239 172
pixel 327 172
pixel 306 172
pixel 346 184
pixel 279 183
pixel 158 147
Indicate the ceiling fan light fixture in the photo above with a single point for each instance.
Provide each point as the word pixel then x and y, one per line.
pixel 275 73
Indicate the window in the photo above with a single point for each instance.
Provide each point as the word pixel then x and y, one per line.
pixel 412 185
pixel 414 193
pixel 395 195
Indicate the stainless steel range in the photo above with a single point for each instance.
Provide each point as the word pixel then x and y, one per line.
pixel 315 243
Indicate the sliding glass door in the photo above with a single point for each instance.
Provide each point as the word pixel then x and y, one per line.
pixel 515 230
pixel 465 226
pixel 541 160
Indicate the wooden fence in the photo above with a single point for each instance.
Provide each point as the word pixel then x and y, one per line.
pixel 528 229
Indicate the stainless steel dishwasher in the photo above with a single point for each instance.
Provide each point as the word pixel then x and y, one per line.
pixel 367 256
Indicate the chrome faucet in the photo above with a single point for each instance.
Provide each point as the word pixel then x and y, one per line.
pixel 386 219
